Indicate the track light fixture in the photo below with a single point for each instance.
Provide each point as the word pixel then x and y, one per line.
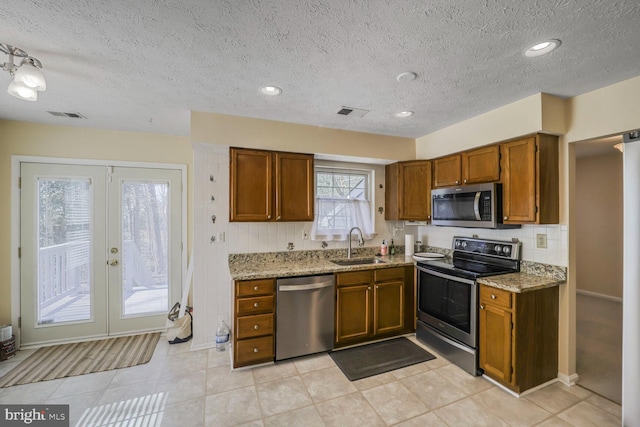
pixel 28 79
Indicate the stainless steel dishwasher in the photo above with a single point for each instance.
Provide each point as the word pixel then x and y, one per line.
pixel 304 315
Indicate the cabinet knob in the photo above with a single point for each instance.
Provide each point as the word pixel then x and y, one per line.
pixel 505 218
pixel 255 350
pixel 255 288
pixel 457 182
pixel 255 327
pixel 278 218
pixel 369 287
pixel 493 296
pixel 268 216
pixel 255 304
pixel 465 181
pixel 481 307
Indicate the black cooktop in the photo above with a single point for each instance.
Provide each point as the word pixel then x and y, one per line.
pixel 474 258
pixel 467 269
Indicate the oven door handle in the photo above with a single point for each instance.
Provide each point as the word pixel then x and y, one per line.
pixel 476 206
pixel 446 276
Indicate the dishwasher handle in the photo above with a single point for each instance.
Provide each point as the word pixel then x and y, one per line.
pixel 309 287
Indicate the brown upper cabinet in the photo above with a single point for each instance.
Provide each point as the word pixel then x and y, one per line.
pixel 270 186
pixel 530 180
pixel 469 167
pixel 408 191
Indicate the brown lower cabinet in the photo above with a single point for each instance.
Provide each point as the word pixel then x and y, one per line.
pixel 519 336
pixel 254 317
pixel 373 304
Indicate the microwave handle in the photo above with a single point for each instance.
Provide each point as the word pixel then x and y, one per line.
pixel 476 206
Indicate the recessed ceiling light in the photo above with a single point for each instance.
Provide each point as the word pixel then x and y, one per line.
pixel 271 90
pixel 407 76
pixel 542 48
pixel 403 114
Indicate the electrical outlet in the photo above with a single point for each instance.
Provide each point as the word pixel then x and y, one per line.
pixel 541 240
pixel 305 235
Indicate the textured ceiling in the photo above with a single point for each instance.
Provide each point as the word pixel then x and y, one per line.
pixel 143 65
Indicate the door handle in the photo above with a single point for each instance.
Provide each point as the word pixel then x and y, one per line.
pixel 113 262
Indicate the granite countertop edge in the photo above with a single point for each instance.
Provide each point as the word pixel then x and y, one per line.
pixel 520 282
pixel 242 271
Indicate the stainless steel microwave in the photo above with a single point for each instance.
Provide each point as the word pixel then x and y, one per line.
pixel 477 206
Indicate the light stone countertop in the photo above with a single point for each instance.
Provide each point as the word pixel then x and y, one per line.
pixel 304 263
pixel 271 268
pixel 520 282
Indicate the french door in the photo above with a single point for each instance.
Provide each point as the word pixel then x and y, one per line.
pixel 101 250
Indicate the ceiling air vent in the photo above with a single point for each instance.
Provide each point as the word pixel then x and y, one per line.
pixel 352 112
pixel 70 115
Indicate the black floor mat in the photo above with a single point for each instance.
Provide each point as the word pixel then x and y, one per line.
pixel 373 359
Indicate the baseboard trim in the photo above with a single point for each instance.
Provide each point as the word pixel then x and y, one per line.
pixel 597 295
pixel 568 380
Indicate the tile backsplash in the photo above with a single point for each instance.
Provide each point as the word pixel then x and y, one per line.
pixel 268 237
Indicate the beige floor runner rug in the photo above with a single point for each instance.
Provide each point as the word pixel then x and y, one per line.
pixel 68 360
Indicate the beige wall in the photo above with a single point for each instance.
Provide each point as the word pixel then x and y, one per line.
pixel 29 139
pixel 599 215
pixel 257 133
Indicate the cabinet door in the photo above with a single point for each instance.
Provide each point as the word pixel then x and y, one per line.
pixel 447 171
pixel 294 187
pixel 353 313
pixel 495 342
pixel 251 187
pixel 414 198
pixel 519 183
pixel 481 165
pixel 388 307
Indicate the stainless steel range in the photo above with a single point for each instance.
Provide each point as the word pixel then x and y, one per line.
pixel 448 296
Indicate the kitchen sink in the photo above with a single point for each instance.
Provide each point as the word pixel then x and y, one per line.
pixel 359 261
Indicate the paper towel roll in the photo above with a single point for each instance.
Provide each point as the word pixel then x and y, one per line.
pixel 408 244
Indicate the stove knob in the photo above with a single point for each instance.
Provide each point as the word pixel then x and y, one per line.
pixel 506 250
pixel 464 244
pixel 457 243
pixel 498 249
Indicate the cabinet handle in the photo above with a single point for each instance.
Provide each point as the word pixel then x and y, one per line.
pixel 255 288
pixel 481 307
pixel 506 218
pixel 493 296
pixel 255 349
pixel 255 304
pixel 465 181
pixel 255 327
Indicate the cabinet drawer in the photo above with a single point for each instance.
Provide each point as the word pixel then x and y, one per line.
pixel 254 350
pixel 254 326
pixel 247 288
pixel 353 278
pixel 495 296
pixel 254 305
pixel 383 274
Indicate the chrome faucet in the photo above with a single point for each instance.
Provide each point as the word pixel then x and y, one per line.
pixel 360 240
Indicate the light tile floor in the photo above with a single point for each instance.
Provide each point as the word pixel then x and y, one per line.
pixel 181 387
pixel 599 345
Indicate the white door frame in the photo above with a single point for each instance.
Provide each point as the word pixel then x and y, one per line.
pixel 16 160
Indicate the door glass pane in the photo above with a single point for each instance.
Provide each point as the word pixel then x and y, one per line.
pixel 145 261
pixel 64 250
